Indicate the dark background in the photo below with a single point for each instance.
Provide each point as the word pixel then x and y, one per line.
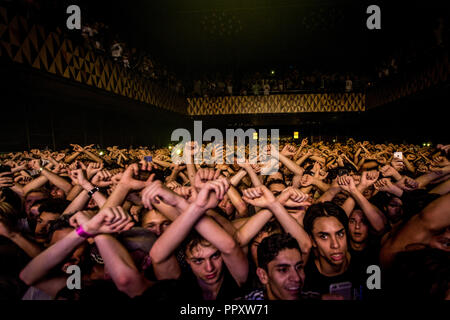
pixel 39 110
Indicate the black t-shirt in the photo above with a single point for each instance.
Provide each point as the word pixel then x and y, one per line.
pixel 187 289
pixel 319 283
pixel 362 260
pixel 93 290
pixel 368 256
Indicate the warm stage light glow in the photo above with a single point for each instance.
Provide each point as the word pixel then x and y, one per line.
pixel 295 134
pixel 255 135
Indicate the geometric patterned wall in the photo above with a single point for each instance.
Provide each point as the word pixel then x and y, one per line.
pixel 434 70
pixel 291 103
pixel 50 51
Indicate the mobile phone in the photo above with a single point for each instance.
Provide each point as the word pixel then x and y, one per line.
pixel 398 155
pixel 342 288
pixel 148 158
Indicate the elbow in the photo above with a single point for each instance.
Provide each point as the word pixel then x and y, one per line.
pixel 230 247
pixel 25 277
pixel 127 281
pixel 379 228
pixel 305 245
pixel 241 208
pixel 155 257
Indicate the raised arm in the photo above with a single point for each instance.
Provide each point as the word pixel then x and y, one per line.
pixel 208 197
pixel 376 219
pixel 56 180
pixel 264 198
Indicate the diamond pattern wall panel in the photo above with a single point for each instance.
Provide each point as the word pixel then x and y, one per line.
pixel 50 51
pixel 293 103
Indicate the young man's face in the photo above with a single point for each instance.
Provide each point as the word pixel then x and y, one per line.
pixel 357 227
pixel 43 224
pixel 395 209
pixel 330 239
pixel 31 199
pixel 155 222
pixel 206 263
pixel 285 275
pixel 226 205
pixel 57 193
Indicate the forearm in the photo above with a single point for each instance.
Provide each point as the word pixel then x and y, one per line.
pixel 183 176
pixel 121 266
pixel 117 197
pixel 369 165
pixel 329 194
pixel 442 189
pixel 78 203
pixel 348 205
pixel 291 165
pixel 18 189
pixel 237 201
pixel 441 179
pixel 321 185
pixel 306 190
pixel 72 157
pixel 297 154
pixel 209 229
pixel 34 184
pixel 29 247
pixel 302 159
pixel 164 164
pixel 291 226
pixel 234 180
pixel 173 176
pixel 191 171
pixel 57 181
pixel 355 158
pixel 74 192
pixel 395 190
pixel 223 222
pixel 43 263
pixel 409 165
pixel 178 230
pixel 426 178
pixel 373 216
pixel 253 177
pixel 93 156
pixel 360 163
pixel 252 226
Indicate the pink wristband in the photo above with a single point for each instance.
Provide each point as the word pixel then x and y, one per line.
pixel 83 233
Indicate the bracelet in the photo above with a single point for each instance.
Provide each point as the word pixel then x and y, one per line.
pixel 94 190
pixel 80 231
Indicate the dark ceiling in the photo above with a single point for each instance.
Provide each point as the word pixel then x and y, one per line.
pixel 210 35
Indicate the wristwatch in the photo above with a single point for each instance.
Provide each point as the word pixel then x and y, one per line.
pixel 94 190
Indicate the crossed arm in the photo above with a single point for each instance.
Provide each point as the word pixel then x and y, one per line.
pixel 192 216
